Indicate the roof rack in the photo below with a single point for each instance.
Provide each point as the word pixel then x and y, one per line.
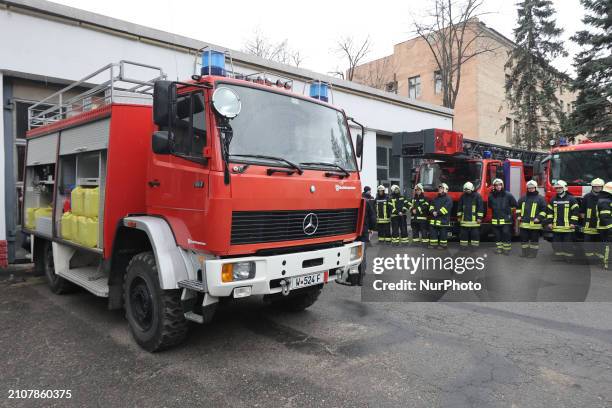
pixel 116 86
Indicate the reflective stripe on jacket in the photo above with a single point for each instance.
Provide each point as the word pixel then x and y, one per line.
pixel 591 215
pixel 501 204
pixel 604 206
pixel 421 205
pixel 397 205
pixel 563 212
pixel 470 209
pixel 530 207
pixel 443 206
pixel 382 210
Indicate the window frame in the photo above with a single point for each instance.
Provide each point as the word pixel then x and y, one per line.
pixel 416 86
pixel 192 156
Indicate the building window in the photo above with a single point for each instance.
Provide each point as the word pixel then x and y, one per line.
pixel 516 131
pixel 414 87
pixel 508 130
pixel 381 156
pixel 437 82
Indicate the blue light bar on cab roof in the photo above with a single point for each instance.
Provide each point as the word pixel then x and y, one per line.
pixel 320 91
pixel 213 63
pixel 487 154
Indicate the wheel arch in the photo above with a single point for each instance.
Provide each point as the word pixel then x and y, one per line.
pixel 136 234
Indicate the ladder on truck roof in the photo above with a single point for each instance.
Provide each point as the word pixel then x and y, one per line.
pixel 442 144
pixel 475 148
pixel 116 86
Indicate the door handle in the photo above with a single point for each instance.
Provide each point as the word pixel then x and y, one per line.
pixel 154 183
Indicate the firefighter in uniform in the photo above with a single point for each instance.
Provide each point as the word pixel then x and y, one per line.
pixel 531 212
pixel 562 219
pixel 419 208
pixel 382 216
pixel 502 203
pixel 470 211
pixel 398 208
pixel 590 218
pixel 604 206
pixel 440 209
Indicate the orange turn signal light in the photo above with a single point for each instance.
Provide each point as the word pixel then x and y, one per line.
pixel 227 272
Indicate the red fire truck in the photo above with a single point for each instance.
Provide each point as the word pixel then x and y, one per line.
pixel 446 157
pixel 577 165
pixel 166 197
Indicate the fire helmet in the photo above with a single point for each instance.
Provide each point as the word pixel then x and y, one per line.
pixel 532 183
pixel 395 188
pixel 419 186
pixel 561 184
pixel 381 188
pixel 608 187
pixel 444 187
pixel 498 181
pixel 597 183
pixel 468 186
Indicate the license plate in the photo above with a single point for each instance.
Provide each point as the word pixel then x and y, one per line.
pixel 308 280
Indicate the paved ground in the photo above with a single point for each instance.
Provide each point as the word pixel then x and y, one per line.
pixel 341 352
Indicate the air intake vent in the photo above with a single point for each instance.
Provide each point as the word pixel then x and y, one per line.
pixel 252 227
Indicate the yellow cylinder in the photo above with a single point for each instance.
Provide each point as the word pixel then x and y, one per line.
pixel 87 231
pixel 92 201
pixel 77 201
pixel 67 226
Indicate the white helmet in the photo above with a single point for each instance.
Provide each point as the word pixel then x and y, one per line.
pixel 381 188
pixel 419 186
pixel 444 187
pixel 597 183
pixel 560 184
pixel 395 188
pixel 468 186
pixel 608 187
pixel 498 181
pixel 532 183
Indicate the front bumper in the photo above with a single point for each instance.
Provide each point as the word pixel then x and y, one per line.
pixel 270 270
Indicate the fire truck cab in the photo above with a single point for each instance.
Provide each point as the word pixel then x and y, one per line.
pixel 166 197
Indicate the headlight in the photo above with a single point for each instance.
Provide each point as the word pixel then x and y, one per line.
pixel 237 271
pixel 356 252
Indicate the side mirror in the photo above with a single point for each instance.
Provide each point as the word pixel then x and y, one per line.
pixel 164 102
pixel 537 167
pixel 160 142
pixel 359 146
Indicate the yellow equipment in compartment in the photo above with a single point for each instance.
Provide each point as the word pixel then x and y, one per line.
pixel 91 202
pixel 69 226
pixel 77 201
pixel 34 213
pixel 87 231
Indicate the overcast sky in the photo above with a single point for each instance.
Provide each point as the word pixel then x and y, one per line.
pixel 311 27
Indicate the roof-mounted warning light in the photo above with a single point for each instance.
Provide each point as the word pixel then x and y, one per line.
pixel 319 90
pixel 487 154
pixel 213 63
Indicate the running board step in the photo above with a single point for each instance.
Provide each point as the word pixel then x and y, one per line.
pixel 194 317
pixel 88 277
pixel 194 285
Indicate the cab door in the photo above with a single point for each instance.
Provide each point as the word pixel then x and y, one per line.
pixel 177 185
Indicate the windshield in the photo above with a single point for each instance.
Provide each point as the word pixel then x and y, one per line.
pixel 454 173
pixel 580 167
pixel 293 129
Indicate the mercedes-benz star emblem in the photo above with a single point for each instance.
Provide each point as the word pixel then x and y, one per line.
pixel 310 223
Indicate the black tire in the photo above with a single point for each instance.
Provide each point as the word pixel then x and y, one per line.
pixel 298 302
pixel 155 316
pixel 57 284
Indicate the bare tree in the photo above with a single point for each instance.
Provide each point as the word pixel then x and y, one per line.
pixel 261 46
pixel 454 36
pixel 379 74
pixel 353 52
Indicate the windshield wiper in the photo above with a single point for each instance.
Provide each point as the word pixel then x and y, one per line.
pixel 280 159
pixel 342 169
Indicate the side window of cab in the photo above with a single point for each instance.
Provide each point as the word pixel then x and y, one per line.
pixel 189 128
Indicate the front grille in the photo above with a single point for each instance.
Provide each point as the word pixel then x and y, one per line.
pixel 252 227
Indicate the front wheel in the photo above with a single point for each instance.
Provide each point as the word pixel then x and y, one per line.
pixel 155 315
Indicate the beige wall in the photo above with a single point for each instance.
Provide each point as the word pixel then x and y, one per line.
pixel 480 109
